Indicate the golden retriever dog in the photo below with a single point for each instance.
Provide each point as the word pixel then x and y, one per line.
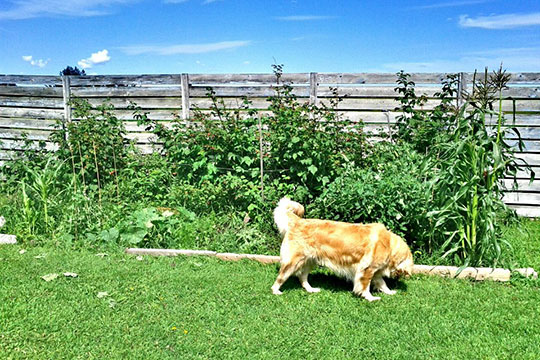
pixel 358 252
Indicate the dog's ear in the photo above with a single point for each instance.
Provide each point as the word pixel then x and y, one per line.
pixel 300 211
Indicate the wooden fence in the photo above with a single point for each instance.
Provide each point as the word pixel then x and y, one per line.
pixel 32 105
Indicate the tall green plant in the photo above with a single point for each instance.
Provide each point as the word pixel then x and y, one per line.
pixel 469 183
pixel 420 127
pixel 39 192
pixel 94 144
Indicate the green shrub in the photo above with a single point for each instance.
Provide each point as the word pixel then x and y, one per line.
pixel 146 177
pixel 393 192
pixel 310 144
pixel 210 144
pixel 302 144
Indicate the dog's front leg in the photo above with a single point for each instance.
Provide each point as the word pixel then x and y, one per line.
pixel 380 285
pixel 362 280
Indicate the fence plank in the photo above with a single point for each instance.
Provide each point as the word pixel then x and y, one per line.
pixel 34 102
pixel 527 211
pixel 30 80
pixel 15 123
pixel 32 113
pixel 185 96
pixel 17 134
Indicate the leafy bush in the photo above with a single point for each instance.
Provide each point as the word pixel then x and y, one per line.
pixel 393 192
pixel 302 144
pixel 210 144
pixel 310 144
pixel 423 128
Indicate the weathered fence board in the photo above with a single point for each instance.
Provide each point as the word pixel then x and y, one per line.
pixel 33 105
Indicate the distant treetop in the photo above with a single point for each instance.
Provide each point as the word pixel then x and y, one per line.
pixel 72 71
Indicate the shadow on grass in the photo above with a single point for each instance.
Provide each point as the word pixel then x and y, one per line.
pixel 327 281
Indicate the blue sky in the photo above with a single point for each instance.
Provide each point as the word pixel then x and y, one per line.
pixel 237 36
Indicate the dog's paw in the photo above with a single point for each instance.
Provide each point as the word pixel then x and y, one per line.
pixel 389 292
pixel 276 292
pixel 313 290
pixel 371 298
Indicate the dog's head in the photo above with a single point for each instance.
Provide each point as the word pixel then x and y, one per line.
pixel 404 268
pixel 402 258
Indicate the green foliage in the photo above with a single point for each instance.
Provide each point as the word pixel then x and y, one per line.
pixel 421 128
pixel 302 144
pixel 73 71
pixel 310 143
pixel 39 194
pixel 146 177
pixel 440 184
pixel 33 155
pixel 95 145
pixel 210 144
pixel 393 191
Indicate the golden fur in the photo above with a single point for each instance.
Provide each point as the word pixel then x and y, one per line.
pixel 361 253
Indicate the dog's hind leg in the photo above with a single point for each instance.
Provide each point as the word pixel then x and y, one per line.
pixel 380 285
pixel 286 270
pixel 362 280
pixel 303 275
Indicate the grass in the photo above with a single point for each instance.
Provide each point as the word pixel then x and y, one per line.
pixel 200 308
pixel 525 241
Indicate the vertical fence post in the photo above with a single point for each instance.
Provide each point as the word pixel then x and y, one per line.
pixel 66 91
pixel 185 96
pixel 313 88
pixel 462 87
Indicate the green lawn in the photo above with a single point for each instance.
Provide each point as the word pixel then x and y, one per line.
pixel 184 308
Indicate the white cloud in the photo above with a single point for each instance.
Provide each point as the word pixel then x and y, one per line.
pixel 304 17
pixel 507 21
pixel 449 4
pixel 513 59
pixel 184 48
pixel 27 9
pixel 99 57
pixel 39 63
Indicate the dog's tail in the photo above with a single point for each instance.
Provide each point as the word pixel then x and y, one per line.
pixel 286 211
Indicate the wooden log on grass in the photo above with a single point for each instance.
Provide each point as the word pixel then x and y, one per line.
pixel 479 274
pixel 265 259
pixel 169 252
pixel 8 239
